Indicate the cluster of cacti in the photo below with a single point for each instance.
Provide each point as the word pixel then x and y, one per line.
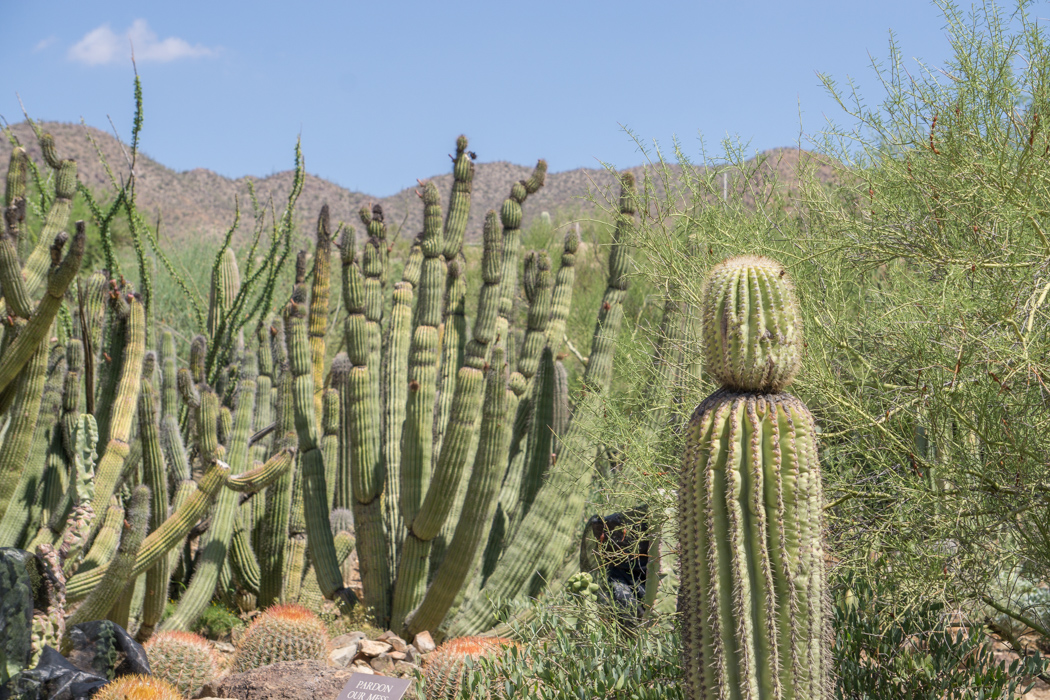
pixel 281 633
pixel 751 598
pixel 183 659
pixel 429 444
pixel 445 666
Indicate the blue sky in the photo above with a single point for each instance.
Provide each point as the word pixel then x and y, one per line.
pixel 380 90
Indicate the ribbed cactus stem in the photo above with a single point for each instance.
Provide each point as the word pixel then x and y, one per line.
pixel 24 505
pixel 752 328
pixel 561 297
pixel 453 340
pixel 122 409
pixel 61 274
pixel 40 258
pixel 610 315
pixel 459 199
pixel 511 217
pixel 155 476
pixel 538 318
pixel 169 535
pixel 320 292
pixel 118 572
pixel 170 437
pixel 475 517
pixel 315 495
pixel 752 590
pixel 275 525
pixel 395 389
pixel 225 284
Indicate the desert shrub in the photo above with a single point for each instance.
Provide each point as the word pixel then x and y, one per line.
pixel 916 652
pixel 574 650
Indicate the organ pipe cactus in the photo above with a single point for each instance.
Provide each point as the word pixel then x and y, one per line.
pixel 752 599
pixel 417 429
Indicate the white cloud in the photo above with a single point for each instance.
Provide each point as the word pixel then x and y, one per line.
pixel 102 45
pixel 44 43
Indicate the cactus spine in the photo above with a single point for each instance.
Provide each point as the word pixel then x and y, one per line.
pixel 752 593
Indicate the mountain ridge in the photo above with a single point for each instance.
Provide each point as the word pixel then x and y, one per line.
pixel 201 204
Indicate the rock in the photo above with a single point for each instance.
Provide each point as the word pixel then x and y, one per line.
pixel 398 643
pixel 285 680
pixel 224 647
pixel 411 655
pixel 343 656
pixel 397 655
pixel 424 643
pixel 401 670
pixel 385 637
pixel 362 666
pixel 345 640
pixel 382 663
pixel 373 648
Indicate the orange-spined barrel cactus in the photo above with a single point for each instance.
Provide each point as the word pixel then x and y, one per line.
pixel 281 633
pixel 443 672
pixel 138 687
pixel 184 659
pixel 752 601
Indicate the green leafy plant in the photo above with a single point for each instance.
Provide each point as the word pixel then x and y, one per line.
pixel 883 652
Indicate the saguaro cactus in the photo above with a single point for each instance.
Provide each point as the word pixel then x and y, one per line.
pixel 752 599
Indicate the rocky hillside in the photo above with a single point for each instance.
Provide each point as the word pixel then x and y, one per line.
pixel 200 203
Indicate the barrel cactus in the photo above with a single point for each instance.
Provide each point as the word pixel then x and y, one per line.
pixel 184 659
pixel 282 633
pixel 138 687
pixel 752 597
pixel 444 669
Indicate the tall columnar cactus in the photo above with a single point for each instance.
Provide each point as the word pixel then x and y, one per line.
pixel 752 597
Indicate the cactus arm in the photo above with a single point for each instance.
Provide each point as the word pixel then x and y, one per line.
pixel 36 267
pixel 118 574
pixel 162 540
pixel 19 438
pixel 538 318
pixel 170 436
pixel 275 524
pixel 12 283
pixel 315 495
pixel 155 476
pixel 440 494
pixel 122 410
pixel 261 477
pixel 330 442
pixel 459 199
pixel 319 299
pixel 453 341
pixel 62 273
pixel 475 518
pixel 510 217
pixel 610 315
pixel 417 438
pixel 540 448
pixel 24 413
pixel 214 547
pixel 561 297
pixel 395 389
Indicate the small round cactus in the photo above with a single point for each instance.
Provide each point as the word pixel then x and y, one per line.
pixel 184 659
pixel 444 668
pixel 752 327
pixel 583 585
pixel 281 633
pixel 138 687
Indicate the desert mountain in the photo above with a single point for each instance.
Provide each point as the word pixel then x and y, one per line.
pixel 200 203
